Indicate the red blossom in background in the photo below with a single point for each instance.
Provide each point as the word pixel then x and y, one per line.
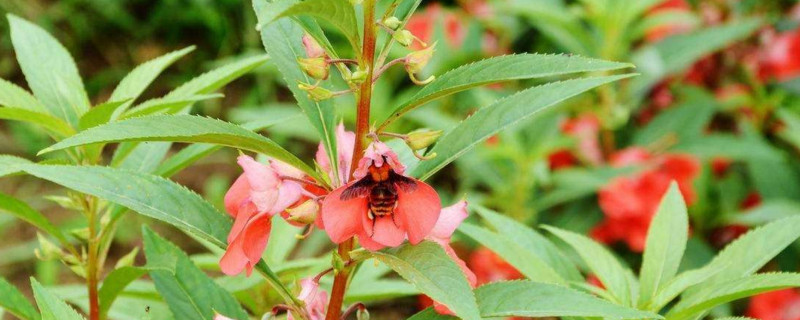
pixel 775 305
pixel 663 31
pixel 423 24
pixel 489 267
pixel 629 203
pixel 779 57
pixel 585 130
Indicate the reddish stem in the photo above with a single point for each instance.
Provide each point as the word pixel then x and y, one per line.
pixel 362 128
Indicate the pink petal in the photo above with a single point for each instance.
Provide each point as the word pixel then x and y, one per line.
pixel 368 243
pixel 289 193
pixel 260 176
pixel 256 236
pixel 342 219
pixel 247 211
pixel 449 219
pixel 236 195
pixel 471 278
pixel 386 232
pixel 345 143
pixel 418 211
pixel 285 170
pixel 377 154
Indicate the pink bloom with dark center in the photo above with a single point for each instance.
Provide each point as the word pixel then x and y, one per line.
pixel 382 207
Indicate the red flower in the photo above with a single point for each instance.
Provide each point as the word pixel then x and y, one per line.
pixel 422 25
pixel 775 305
pixel 663 31
pixel 629 203
pixel 489 267
pixel 383 206
pixel 562 158
pixel 779 58
pixel 720 166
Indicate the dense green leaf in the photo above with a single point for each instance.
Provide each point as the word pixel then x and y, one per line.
pixel 666 242
pixel 575 183
pixel 13 96
pixel 428 267
pixel 213 80
pixel 182 128
pixel 114 283
pixel 283 41
pixel 733 289
pixel 55 125
pixel 532 299
pixel 52 308
pixel 166 105
pixel 614 276
pixel 766 212
pixel 189 292
pixel 49 69
pixel 521 257
pixel 23 211
pixel 730 147
pixel 555 21
pixel 500 69
pixel 752 251
pixel 677 285
pixel 379 290
pixel 506 112
pixel 15 302
pixel 11 164
pixel 430 314
pixel 683 122
pixel 339 13
pixel 100 114
pixel 533 242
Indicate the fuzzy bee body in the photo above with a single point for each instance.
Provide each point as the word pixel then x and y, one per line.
pixel 381 188
pixel 382 199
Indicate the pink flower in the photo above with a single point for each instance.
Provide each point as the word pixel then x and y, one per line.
pixel 585 129
pixel 780 57
pixel 775 305
pixel 345 143
pixel 315 299
pixel 383 207
pixel 257 195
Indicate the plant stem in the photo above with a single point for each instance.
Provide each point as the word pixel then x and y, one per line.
pixel 362 128
pixel 92 263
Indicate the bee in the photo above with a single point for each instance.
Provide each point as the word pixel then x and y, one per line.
pixel 380 187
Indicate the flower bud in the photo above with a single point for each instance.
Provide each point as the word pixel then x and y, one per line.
pixel 417 60
pixel 316 92
pixel 362 314
pixel 337 262
pixel 79 270
pixel 403 37
pixel 422 138
pixel 47 249
pixel 358 77
pixel 82 234
pixel 313 49
pixel 128 259
pixel 392 22
pixel 317 68
pixel 305 213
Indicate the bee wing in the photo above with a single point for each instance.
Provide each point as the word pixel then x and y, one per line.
pixel 358 189
pixel 404 183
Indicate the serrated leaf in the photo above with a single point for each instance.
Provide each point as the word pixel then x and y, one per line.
pixel 15 302
pixel 752 251
pixel 49 69
pixel 13 96
pixel 532 299
pixel 166 105
pixel 11 164
pixel 685 121
pixel 182 128
pixel 430 314
pixel 731 290
pixel 283 41
pixel 534 242
pixel 677 285
pixel 604 265
pixel 55 125
pixel 500 69
pixel 211 81
pixel 23 211
pixel 189 292
pixel 766 212
pixel 339 13
pixel 100 114
pixel 666 242
pixel 51 307
pixel 114 283
pixel 519 256
pixel 494 118
pixel 428 267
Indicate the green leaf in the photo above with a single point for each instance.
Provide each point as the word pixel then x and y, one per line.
pixel 501 69
pixel 666 242
pixel 283 41
pixel 428 267
pixel 339 13
pixel 752 251
pixel 532 299
pixel 100 114
pixel 516 254
pixel 677 53
pixel 114 283
pixel 733 289
pixel 182 128
pixel 377 290
pixel 44 120
pixel 23 211
pixel 189 292
pixel 13 96
pixel 613 275
pixel 730 147
pixel 168 105
pixel 502 114
pixel 677 285
pixel 766 212
pixel 11 164
pixel 132 86
pixel 430 314
pixel 51 307
pixel 213 80
pixel 575 183
pixel 533 241
pixel 684 122
pixel 15 302
pixel 49 69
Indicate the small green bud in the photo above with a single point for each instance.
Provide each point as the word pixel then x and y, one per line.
pixel 305 213
pixel 422 138
pixel 312 47
pixel 128 259
pixel 316 92
pixel 337 262
pixel 82 233
pixel 392 22
pixel 79 270
pixel 317 68
pixel 417 60
pixel 358 76
pixel 403 37
pixel 362 314
pixel 47 249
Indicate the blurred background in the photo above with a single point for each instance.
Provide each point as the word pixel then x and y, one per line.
pixel 717 108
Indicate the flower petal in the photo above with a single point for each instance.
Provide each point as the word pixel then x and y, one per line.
pixel 247 211
pixel 342 219
pixel 260 176
pixel 386 231
pixel 289 193
pixel 285 169
pixel 417 211
pixel 236 195
pixel 256 237
pixel 368 243
pixel 449 219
